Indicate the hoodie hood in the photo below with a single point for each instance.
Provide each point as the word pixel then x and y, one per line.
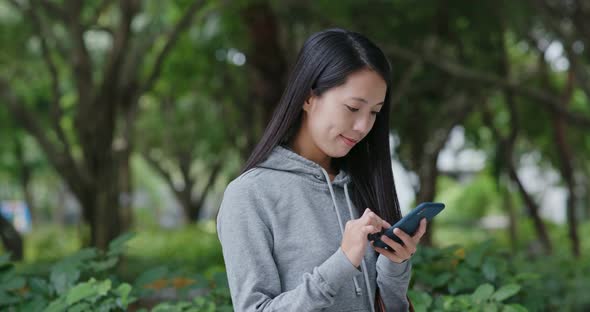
pixel 284 159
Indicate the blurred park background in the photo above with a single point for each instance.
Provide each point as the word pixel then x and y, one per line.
pixel 121 123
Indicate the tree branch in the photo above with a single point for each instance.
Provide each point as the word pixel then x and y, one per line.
pixel 104 5
pixel 468 74
pixel 61 159
pixel 54 10
pixel 172 38
pixel 216 169
pixel 56 111
pixel 404 83
pixel 154 163
pixel 112 70
pixel 82 65
pixel 549 15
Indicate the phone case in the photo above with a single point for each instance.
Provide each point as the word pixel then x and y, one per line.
pixel 410 223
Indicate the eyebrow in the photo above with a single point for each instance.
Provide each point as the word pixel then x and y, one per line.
pixel 363 100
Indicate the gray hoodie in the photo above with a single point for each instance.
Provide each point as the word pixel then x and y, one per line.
pixel 280 225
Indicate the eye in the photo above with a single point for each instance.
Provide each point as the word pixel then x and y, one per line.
pixel 352 109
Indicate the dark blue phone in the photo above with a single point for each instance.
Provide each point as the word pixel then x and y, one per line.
pixel 409 224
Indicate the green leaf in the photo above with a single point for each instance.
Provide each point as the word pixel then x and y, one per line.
pixel 107 305
pixel 489 270
pixel 420 300
pixel 514 308
pixel 57 305
pixel 483 293
pixel 441 279
pixel 117 245
pixel 81 291
pixel 80 307
pixel 474 257
pixel 5 259
pixel 506 292
pixel 6 299
pixel 99 266
pixel 63 277
pixel 13 283
pixel 103 287
pixel 36 304
pixel 490 307
pixel 123 292
pixel 40 286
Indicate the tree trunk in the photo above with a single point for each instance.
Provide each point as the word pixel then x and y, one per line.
pixel 458 108
pixel 102 209
pixel 428 176
pixel 512 224
pixel 566 169
pixel 11 239
pixel 269 69
pixel 532 209
pixel 25 171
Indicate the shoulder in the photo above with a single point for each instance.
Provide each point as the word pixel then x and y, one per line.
pixel 246 200
pixel 255 186
pixel 259 181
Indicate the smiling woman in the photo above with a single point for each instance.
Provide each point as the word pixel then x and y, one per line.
pixel 293 226
pixel 336 121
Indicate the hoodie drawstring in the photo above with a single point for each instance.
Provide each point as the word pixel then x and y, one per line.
pixel 358 290
pixel 363 263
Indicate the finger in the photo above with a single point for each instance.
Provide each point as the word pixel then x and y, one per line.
pixel 369 215
pixel 409 244
pixel 370 229
pixel 377 219
pixel 372 219
pixel 408 241
pixel 400 250
pixel 421 230
pixel 389 254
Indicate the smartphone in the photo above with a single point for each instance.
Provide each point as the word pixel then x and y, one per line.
pixel 409 224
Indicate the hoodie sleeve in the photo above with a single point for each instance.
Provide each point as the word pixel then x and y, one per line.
pixel 247 244
pixel 393 280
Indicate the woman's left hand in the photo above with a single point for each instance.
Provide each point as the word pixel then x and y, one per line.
pixel 400 253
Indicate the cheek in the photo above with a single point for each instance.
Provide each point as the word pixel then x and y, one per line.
pixel 326 120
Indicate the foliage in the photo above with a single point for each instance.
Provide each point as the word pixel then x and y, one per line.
pixel 486 277
pixel 86 281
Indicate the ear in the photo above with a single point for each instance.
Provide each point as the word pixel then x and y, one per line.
pixel 310 101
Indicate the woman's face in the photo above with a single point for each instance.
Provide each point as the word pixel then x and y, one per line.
pixel 342 116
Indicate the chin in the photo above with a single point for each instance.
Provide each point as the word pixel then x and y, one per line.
pixel 338 152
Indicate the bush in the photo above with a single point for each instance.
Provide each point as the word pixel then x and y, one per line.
pixel 85 281
pixel 481 277
pixel 488 278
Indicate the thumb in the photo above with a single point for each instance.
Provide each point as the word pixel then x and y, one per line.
pixel 366 212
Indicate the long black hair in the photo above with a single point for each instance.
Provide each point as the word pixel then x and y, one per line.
pixel 324 62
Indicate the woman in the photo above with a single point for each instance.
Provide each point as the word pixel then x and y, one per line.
pixel 294 224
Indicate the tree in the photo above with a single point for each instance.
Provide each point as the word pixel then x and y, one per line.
pixel 83 118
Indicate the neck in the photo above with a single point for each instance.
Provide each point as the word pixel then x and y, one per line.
pixel 307 149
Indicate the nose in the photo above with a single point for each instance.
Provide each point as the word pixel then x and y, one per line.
pixel 363 125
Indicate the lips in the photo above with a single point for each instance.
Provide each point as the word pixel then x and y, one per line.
pixel 348 141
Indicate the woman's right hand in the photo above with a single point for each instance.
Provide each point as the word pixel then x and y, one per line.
pixel 354 240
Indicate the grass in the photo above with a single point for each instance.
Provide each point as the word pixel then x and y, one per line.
pixel 192 249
